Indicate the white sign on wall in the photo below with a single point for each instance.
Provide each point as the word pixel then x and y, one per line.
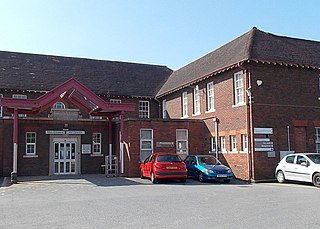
pixel 86 148
pixel 263 130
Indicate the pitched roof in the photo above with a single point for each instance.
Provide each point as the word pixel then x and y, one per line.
pixel 24 71
pixel 254 45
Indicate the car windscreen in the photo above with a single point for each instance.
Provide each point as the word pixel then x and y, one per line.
pixel 209 160
pixel 168 158
pixel 315 158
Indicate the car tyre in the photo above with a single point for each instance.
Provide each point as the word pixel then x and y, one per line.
pixel 141 174
pixel 201 178
pixel 280 177
pixel 153 179
pixel 316 180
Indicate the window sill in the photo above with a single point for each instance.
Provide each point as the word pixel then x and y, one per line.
pixel 196 114
pixel 184 117
pixel 30 156
pixel 244 152
pixel 210 111
pixel 233 152
pixel 96 155
pixel 239 105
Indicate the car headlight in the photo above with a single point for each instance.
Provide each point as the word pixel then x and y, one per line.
pixel 208 171
pixel 229 171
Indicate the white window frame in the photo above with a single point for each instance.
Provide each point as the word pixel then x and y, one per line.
pixel 239 88
pixel 145 151
pixel 164 109
pixel 210 97
pixel 196 101
pixel 96 143
pixel 115 100
pixel 233 143
pixel 223 144
pixel 20 96
pixel 213 144
pixel 184 98
pixel 59 105
pixel 244 145
pixel 144 109
pixel 317 139
pixel 32 143
pixel 182 141
pixel 1 108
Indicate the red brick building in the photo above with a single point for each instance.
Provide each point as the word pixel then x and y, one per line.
pixel 249 102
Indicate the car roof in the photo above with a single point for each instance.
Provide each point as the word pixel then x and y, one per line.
pixel 306 154
pixel 165 154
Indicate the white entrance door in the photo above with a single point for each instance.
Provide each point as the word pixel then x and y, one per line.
pixel 65 156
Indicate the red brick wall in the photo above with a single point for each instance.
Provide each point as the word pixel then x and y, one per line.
pixel 1 147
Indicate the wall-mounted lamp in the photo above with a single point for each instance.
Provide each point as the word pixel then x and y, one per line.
pixel 259 82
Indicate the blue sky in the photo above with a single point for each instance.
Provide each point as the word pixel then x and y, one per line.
pixel 164 32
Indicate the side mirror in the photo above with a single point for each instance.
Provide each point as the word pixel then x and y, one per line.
pixel 304 164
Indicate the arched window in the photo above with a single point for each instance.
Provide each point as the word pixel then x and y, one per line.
pixel 59 105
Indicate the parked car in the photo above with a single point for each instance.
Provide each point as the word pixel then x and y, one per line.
pixel 299 167
pixel 159 166
pixel 207 167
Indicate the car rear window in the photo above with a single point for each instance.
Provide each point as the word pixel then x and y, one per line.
pixel 290 159
pixel 168 158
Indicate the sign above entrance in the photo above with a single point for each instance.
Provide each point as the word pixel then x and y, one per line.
pixel 263 130
pixel 61 132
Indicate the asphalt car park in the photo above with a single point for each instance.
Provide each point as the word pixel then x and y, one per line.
pixel 95 201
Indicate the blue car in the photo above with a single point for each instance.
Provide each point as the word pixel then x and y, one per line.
pixel 207 167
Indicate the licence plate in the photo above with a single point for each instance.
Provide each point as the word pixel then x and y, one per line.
pixel 171 167
pixel 221 175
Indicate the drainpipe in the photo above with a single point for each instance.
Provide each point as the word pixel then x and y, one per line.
pixel 216 121
pixel 250 133
pixel 14 172
pixel 288 133
pixel 110 144
pixel 121 142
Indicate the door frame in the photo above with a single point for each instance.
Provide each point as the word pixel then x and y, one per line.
pixel 61 138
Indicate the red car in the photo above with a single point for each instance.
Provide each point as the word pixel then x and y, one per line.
pixel 163 166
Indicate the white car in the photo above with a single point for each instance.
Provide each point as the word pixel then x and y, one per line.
pixel 299 167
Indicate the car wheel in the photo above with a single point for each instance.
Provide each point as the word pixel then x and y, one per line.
pixel 280 177
pixel 153 179
pixel 141 174
pixel 201 178
pixel 316 180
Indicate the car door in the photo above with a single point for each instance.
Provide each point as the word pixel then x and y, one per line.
pixel 289 167
pixel 302 168
pixel 148 165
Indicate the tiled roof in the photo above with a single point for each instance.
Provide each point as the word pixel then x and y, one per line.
pixel 253 45
pixel 24 71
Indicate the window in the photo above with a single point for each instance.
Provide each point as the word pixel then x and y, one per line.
pixel 196 100
pixel 301 159
pixel 1 109
pixel 238 88
pixel 317 139
pixel 59 105
pixel 19 96
pixel 30 143
pixel 143 109
pixel 182 141
pixel 115 100
pixel 222 144
pixel 290 159
pixel 96 143
pixel 184 105
pixel 146 143
pixel 244 139
pixel 164 109
pixel 210 97
pixel 213 145
pixel 233 143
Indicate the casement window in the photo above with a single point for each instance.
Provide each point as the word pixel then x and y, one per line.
pixel 222 144
pixel 146 143
pixel 184 105
pixel 19 96
pixel 213 145
pixel 115 100
pixel 30 143
pixel 164 109
pixel 244 143
pixel 1 109
pixel 233 143
pixel 196 100
pixel 210 97
pixel 182 141
pixel 238 88
pixel 317 138
pixel 59 105
pixel 96 143
pixel 144 109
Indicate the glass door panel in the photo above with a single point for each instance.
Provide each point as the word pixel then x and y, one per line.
pixel 65 157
